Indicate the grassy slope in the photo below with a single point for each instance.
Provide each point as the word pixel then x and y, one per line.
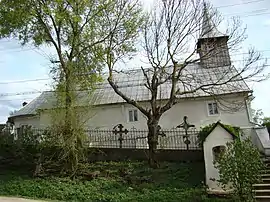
pixel 128 181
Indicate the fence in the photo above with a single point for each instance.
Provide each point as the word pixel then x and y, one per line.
pixel 137 139
pixel 171 139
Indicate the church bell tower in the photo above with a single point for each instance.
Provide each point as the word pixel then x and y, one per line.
pixel 212 45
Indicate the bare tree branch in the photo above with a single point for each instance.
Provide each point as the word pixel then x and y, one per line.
pixel 173 33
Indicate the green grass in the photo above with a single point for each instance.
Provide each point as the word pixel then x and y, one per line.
pixel 117 182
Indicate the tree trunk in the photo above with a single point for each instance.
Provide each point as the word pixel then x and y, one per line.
pixel 67 130
pixel 153 142
pixel 68 105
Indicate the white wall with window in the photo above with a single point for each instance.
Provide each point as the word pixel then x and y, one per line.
pixel 200 112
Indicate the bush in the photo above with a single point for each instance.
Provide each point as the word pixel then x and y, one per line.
pixel 45 150
pixel 240 165
pixel 20 149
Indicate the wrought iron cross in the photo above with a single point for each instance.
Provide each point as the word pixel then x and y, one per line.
pixel 185 125
pixel 161 133
pixel 120 131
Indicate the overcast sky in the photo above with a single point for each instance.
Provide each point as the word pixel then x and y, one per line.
pixel 28 63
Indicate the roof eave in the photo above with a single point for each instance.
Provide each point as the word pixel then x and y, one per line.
pixel 21 115
pixel 218 123
pixel 183 98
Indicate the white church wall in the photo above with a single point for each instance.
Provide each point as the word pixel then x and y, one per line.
pixel 107 116
pixel 34 121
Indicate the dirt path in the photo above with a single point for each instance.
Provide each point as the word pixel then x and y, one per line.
pixel 12 199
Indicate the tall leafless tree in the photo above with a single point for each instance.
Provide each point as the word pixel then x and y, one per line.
pixel 174 32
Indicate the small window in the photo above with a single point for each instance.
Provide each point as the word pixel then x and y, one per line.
pixel 217 151
pixel 212 108
pixel 133 115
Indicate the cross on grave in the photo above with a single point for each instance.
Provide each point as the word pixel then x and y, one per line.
pixel 120 131
pixel 133 128
pixel 185 125
pixel 160 133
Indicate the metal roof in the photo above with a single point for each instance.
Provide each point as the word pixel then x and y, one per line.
pixel 132 84
pixel 30 108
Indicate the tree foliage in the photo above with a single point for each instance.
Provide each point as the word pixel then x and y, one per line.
pixel 82 34
pixel 259 118
pixel 266 123
pixel 257 115
pixel 239 168
pixel 12 112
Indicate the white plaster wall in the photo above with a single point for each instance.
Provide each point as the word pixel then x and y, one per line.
pixel 45 119
pixel 219 137
pixel 34 121
pixel 107 116
pixel 197 113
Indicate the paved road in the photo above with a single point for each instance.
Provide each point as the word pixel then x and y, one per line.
pixel 11 199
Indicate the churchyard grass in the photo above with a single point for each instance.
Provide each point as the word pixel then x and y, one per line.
pixel 128 181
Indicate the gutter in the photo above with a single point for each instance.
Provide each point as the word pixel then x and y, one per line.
pixel 11 118
pixel 248 114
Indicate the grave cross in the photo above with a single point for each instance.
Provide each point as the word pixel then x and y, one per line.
pixel 185 125
pixel 120 131
pixel 161 133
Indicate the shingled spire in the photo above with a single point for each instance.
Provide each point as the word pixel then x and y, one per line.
pixel 209 29
pixel 212 44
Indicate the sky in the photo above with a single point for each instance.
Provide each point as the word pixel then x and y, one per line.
pixel 18 64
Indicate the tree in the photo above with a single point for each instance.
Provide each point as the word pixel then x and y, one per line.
pixel 78 30
pixel 239 168
pixel 169 43
pixel 75 29
pixel 12 112
pixel 257 115
pixel 266 123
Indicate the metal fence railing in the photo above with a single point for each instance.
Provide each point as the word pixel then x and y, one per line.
pixel 175 139
pixel 137 139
